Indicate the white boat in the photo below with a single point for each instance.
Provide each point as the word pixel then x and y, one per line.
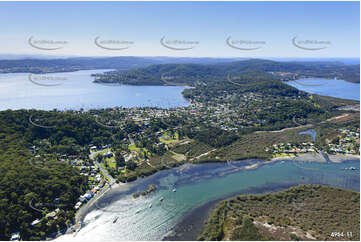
pixel 161 199
pixel 150 205
pixel 174 190
pixel 350 168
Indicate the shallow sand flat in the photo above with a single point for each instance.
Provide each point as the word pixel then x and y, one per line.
pixel 341 158
pixel 308 157
pixel 317 157
pixel 254 166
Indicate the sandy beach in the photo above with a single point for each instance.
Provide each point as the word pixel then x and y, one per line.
pixel 341 158
pixel 317 157
pixel 308 157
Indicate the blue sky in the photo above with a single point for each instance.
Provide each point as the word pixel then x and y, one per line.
pixel 273 24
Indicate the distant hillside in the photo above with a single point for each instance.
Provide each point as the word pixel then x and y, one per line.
pixel 191 74
pixel 42 65
pixel 181 70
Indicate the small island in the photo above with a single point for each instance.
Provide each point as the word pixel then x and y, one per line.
pixel 150 189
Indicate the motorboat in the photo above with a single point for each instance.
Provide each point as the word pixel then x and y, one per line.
pixel 115 220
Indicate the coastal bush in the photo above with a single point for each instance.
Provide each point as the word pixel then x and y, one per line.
pixel 247 231
pixel 318 208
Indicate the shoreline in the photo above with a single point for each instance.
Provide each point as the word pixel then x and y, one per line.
pixel 193 222
pixel 204 209
pixel 339 158
pixel 84 210
pixel 306 157
pixel 317 157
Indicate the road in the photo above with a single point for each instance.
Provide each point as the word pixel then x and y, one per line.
pixel 306 125
pixel 83 209
pixel 104 171
pixel 201 155
pixel 131 140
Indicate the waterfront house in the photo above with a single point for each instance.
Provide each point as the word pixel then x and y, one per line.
pixel 15 236
pixel 77 205
pixel 88 195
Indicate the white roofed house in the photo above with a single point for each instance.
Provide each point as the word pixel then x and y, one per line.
pixel 77 205
pixel 82 198
pixel 108 155
pixel 53 214
pixel 15 236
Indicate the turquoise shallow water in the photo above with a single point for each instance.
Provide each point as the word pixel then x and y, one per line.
pixel 196 185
